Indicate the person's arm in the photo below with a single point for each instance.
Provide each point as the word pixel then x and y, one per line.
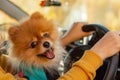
pixel 108 45
pixel 85 68
pixel 75 33
pixel 8 76
pixel 5 76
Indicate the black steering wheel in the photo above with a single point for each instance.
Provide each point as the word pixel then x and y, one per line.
pixel 109 68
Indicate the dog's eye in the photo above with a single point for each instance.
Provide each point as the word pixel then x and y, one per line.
pixel 46 35
pixel 34 44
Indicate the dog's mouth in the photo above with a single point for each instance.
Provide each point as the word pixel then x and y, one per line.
pixel 48 54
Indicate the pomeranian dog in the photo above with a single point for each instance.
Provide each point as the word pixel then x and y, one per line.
pixel 35 48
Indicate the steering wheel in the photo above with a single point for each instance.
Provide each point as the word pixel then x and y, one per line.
pixel 109 68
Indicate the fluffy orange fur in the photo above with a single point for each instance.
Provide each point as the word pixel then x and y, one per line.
pixel 35 31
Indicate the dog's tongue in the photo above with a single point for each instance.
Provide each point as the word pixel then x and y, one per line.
pixel 49 54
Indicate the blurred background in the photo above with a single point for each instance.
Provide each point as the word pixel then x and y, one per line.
pixel 106 12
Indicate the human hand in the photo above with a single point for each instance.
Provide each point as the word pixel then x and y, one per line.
pixel 108 45
pixel 75 33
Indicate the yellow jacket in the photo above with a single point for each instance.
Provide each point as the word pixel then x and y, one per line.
pixel 5 76
pixel 84 69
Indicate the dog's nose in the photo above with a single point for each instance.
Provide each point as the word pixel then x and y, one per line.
pixel 46 44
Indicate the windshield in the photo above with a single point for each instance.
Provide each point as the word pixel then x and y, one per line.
pixel 106 12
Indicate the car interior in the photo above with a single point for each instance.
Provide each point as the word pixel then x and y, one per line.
pixel 102 16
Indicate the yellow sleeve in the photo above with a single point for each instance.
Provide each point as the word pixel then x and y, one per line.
pixel 5 76
pixel 85 68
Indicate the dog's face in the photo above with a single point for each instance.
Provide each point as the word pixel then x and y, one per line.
pixel 35 41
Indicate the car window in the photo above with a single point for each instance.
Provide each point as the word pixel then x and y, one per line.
pixel 5 21
pixel 106 12
pixel 5 18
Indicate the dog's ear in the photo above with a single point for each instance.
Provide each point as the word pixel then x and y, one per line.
pixel 36 15
pixel 13 30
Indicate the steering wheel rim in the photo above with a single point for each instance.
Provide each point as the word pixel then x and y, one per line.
pixel 109 67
